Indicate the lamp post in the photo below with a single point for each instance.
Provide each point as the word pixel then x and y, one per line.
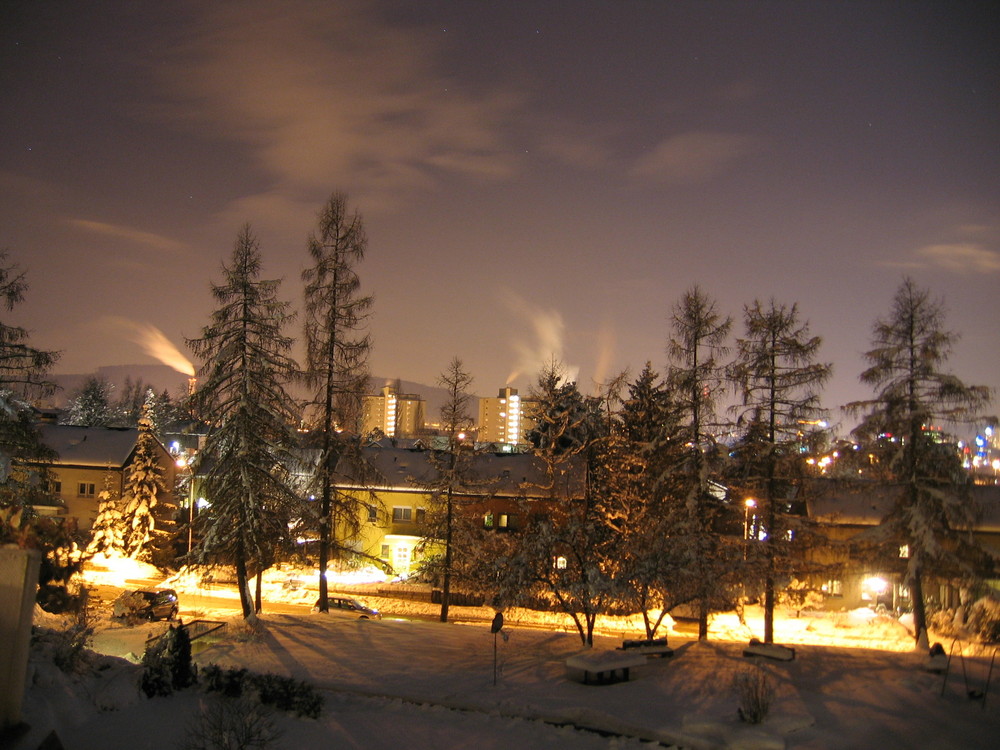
pixel 747 505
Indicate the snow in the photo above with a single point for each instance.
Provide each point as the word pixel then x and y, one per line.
pixel 855 682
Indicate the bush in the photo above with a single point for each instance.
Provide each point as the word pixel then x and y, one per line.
pixel 167 664
pixel 69 647
pixel 293 696
pixel 984 619
pixel 231 724
pixel 755 694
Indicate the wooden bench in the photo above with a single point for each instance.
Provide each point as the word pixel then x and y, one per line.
pixel 648 647
pixel 769 651
pixel 603 667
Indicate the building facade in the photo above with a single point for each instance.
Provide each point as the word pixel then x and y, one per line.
pixel 400 415
pixel 505 419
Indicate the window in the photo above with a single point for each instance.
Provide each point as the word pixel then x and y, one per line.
pixel 502 521
pixel 833 587
pixel 560 563
pixel 904 551
pixel 372 514
pixel 86 489
pixel 385 552
pixel 402 515
pixel 421 515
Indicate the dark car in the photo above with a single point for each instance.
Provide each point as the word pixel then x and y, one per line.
pixel 147 604
pixel 343 605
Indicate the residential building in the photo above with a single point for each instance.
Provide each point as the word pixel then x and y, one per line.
pixel 87 457
pixel 398 415
pixel 505 419
pixel 500 487
pixel 843 512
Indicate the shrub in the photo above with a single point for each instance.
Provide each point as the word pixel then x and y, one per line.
pixel 293 696
pixel 167 664
pixel 755 694
pixel 984 619
pixel 230 724
pixel 69 647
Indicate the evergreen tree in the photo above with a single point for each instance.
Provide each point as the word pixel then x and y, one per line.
pixel 92 406
pixel 23 377
pixel 779 378
pixel 695 378
pixel 141 492
pixel 245 368
pixel 648 560
pixel 568 553
pixel 108 531
pixel 932 515
pixel 336 371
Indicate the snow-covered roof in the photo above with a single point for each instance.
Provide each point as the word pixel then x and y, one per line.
pixel 498 474
pixel 864 504
pixel 89 446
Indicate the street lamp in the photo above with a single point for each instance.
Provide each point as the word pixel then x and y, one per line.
pixel 747 505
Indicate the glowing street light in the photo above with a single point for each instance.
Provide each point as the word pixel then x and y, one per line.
pixel 747 505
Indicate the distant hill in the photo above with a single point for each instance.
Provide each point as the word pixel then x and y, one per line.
pixel 163 378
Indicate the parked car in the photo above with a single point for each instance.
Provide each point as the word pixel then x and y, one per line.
pixel 343 605
pixel 147 604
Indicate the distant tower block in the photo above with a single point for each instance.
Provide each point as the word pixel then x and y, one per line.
pixel 395 414
pixel 505 419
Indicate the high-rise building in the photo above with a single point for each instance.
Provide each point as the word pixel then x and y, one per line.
pixel 506 418
pixel 395 414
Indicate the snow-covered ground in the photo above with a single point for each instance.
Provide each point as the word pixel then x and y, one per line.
pixel 855 683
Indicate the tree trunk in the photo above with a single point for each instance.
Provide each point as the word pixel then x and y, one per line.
pixel 258 599
pixel 919 607
pixel 243 584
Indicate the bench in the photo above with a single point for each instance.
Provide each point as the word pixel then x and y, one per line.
pixel 769 650
pixel 648 647
pixel 603 667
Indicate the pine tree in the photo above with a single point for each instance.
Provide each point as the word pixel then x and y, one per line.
pixel 932 515
pixel 779 378
pixel 695 378
pixel 141 493
pixel 23 377
pixel 92 406
pixel 108 531
pixel 245 368
pixel 648 559
pixel 568 552
pixel 336 371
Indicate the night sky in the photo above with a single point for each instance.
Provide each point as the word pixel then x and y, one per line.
pixel 537 178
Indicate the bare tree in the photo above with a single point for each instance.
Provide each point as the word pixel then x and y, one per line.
pixel 336 370
pixel 779 377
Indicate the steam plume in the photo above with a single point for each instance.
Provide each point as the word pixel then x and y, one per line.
pixel 156 345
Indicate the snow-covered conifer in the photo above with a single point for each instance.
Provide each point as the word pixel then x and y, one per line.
pixel 932 515
pixel 245 369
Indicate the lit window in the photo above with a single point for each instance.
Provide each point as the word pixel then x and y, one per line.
pixel 904 551
pixel 560 563
pixel 502 520
pixel 385 552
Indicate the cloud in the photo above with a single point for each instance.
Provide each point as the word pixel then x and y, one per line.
pixel 155 241
pixel 696 156
pixel 961 258
pixel 327 94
